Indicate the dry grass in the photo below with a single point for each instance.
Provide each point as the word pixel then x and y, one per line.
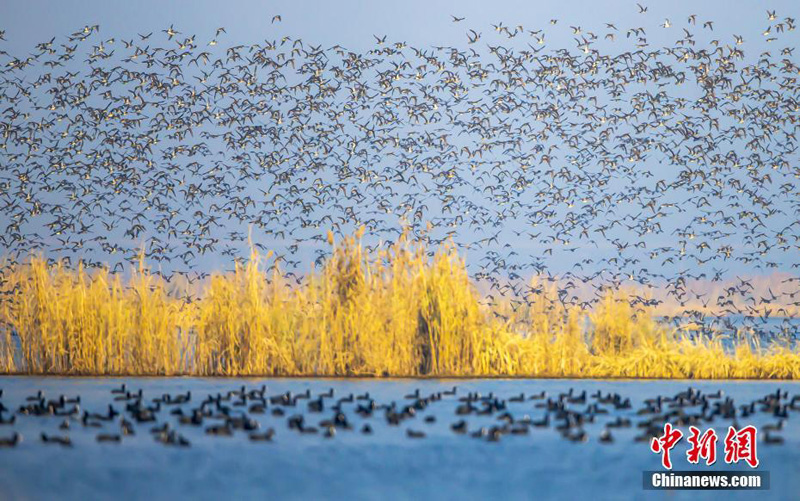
pixel 394 312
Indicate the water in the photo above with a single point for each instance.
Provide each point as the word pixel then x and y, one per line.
pixel 386 465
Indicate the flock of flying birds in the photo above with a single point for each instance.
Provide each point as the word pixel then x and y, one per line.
pixel 169 418
pixel 612 160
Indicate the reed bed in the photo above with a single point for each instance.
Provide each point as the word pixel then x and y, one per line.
pixel 393 312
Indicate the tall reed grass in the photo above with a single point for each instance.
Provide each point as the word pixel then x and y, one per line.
pixel 392 312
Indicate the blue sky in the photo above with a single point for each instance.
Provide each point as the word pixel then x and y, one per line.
pixel 354 24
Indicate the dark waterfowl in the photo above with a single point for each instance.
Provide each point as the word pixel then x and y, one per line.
pixel 413 395
pixel 542 423
pixel 481 432
pixel 520 429
pixel 266 436
pixel 619 422
pixel 172 437
pixel 64 441
pixel 257 408
pixel 15 439
pixel 494 434
pixel 772 439
pixel 36 398
pixel 126 427
pixel 459 426
pixel 220 430
pixel 518 398
pixel 773 426
pixel 316 405
pixel 569 414
pixel 578 435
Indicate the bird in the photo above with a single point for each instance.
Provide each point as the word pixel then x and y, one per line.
pixel 266 436
pixel 13 441
pixel 672 171
pixel 64 441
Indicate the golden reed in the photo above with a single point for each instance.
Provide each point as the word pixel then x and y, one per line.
pixel 392 312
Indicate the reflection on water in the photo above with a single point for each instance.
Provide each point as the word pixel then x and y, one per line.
pixel 386 463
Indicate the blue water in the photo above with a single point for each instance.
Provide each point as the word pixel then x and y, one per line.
pixel 385 465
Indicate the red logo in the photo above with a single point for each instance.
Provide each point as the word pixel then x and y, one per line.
pixel 704 446
pixel 739 445
pixel 665 443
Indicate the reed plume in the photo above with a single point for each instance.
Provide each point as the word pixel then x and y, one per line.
pixel 391 312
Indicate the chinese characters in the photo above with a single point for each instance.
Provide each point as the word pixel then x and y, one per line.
pixel 740 445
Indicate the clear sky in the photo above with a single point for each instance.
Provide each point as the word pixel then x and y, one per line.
pixel 352 23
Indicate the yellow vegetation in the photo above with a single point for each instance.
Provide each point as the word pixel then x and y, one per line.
pixel 393 312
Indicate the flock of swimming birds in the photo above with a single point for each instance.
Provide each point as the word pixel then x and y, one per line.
pixel 167 418
pixel 613 160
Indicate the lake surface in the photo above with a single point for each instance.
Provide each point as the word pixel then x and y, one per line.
pixel 386 464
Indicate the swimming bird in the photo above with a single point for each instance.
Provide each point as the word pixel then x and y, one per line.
pixel 15 439
pixel 266 436
pixel 64 441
